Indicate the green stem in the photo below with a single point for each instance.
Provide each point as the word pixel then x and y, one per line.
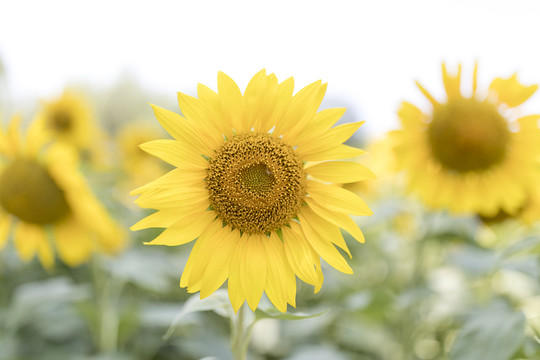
pixel 240 335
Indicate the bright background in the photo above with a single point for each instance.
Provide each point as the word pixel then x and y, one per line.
pixel 369 52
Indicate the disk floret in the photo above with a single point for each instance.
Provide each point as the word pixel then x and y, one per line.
pixel 29 192
pixel 256 183
pixel 468 135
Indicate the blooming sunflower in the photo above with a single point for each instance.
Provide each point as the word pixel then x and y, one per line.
pixel 254 184
pixel 470 154
pixel 41 192
pixel 69 119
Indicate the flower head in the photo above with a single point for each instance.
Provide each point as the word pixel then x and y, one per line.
pixel 254 185
pixel 468 154
pixel 69 119
pixel 41 189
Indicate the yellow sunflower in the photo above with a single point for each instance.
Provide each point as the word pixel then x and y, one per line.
pixel 70 119
pixel 48 203
pixel 470 154
pixel 254 184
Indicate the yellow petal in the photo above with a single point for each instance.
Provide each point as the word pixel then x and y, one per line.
pixel 342 220
pixel 333 138
pixel 14 135
pixel 217 269
pixel 323 246
pixel 325 229
pixel 280 281
pixel 174 153
pixel 232 102
pixel 176 177
pixel 511 92
pixel 30 239
pixel 300 255
pixel 237 296
pixel 182 130
pixel 73 242
pixel 211 100
pixel 337 199
pixel 283 100
pixel 253 269
pixel 202 119
pixel 452 83
pixel 411 117
pixel 427 95
pixel 322 122
pixel 180 197
pixel 301 109
pixel 307 104
pixel 186 229
pixel 188 278
pixel 529 123
pixel 336 153
pixel 340 172
pixel 159 219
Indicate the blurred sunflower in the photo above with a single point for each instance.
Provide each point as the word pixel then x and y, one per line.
pixel 70 119
pixel 254 186
pixel 41 191
pixel 468 155
pixel 139 166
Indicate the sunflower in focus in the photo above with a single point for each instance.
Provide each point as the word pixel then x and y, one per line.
pixel 254 184
pixel 470 154
pixel 46 202
pixel 69 119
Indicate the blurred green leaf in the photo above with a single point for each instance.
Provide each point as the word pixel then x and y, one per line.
pixel 276 314
pixel 218 300
pixel 494 332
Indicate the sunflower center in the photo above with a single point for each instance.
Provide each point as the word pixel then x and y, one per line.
pixel 468 135
pixel 256 183
pixel 60 121
pixel 29 192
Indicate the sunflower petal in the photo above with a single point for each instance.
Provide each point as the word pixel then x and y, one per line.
pixel 511 92
pixel 300 255
pixel 342 220
pixel 185 230
pixel 280 282
pixel 323 246
pixel 335 137
pixel 340 171
pixel 73 242
pixel 253 269
pixel 337 199
pixel 217 270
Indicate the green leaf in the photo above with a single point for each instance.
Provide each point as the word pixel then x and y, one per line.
pixel 275 314
pixel 219 300
pixel 494 332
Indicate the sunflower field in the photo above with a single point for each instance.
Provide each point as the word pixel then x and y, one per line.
pixel 262 219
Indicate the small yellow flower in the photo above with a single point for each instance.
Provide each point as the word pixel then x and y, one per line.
pixel 254 185
pixel 41 189
pixel 468 154
pixel 69 119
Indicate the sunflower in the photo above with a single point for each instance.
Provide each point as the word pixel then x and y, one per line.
pixel 42 194
pixel 254 184
pixel 470 154
pixel 70 119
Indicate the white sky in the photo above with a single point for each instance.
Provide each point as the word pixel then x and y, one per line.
pixel 369 52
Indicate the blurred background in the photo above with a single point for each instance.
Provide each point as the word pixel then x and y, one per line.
pixel 427 285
